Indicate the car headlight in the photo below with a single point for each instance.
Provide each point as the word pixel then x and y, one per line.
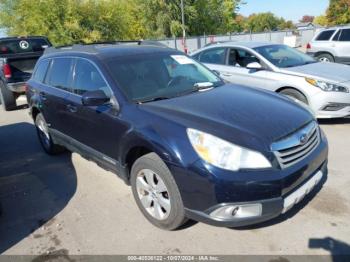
pixel 223 154
pixel 327 86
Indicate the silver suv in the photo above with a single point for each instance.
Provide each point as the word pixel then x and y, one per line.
pixel 331 45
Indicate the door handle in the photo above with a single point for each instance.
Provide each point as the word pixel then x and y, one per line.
pixel 43 96
pixel 72 109
pixel 226 74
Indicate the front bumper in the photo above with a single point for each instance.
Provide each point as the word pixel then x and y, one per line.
pixel 18 87
pixel 311 53
pixel 271 208
pixel 331 104
pixel 204 190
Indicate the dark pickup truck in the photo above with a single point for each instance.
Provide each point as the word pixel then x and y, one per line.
pixel 18 56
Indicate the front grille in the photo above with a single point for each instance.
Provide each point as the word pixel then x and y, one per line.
pixel 297 146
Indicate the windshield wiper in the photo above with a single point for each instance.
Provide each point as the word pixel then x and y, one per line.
pixel 203 86
pixel 197 87
pixel 152 99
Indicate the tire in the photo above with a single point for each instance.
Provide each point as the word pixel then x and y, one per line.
pixel 167 199
pixel 294 94
pixel 7 97
pixel 325 58
pixel 45 138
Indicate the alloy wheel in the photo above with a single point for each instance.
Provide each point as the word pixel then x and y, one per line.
pixel 153 194
pixel 324 59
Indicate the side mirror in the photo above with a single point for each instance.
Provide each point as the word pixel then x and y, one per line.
pixel 94 98
pixel 254 66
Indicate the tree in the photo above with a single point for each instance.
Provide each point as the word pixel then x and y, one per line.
pixel 262 22
pixel 239 24
pixel 321 20
pixel 338 12
pixel 307 19
pixel 286 24
pixel 72 21
pixel 162 18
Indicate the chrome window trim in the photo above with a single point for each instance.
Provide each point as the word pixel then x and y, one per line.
pixel 113 98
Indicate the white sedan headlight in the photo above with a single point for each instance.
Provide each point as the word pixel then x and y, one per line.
pixel 327 86
pixel 223 154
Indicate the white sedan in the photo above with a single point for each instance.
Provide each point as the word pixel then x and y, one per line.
pixel 324 87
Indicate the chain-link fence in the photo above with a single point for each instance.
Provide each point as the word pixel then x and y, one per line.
pixel 194 43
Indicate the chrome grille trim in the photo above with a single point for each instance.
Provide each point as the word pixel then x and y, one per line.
pixel 292 149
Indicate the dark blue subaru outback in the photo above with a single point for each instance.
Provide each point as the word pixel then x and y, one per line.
pixel 190 146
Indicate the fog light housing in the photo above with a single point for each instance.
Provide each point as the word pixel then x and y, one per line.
pixel 231 212
pixel 334 106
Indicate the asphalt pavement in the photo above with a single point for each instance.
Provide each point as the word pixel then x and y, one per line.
pixel 66 204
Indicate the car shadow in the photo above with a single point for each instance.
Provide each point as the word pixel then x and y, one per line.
pixel 20 107
pixel 292 212
pixel 34 187
pixel 336 121
pixel 339 250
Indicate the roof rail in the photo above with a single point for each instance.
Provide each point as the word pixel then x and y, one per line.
pixel 93 47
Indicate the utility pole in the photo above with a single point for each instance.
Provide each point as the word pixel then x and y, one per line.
pixel 183 26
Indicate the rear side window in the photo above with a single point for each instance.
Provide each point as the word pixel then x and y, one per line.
pixel 23 45
pixel 325 35
pixel 40 72
pixel 345 35
pixel 214 56
pixel 88 78
pixel 60 73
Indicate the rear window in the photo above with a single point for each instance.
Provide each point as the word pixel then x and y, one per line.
pixel 60 73
pixel 40 72
pixel 325 35
pixel 16 46
pixel 345 35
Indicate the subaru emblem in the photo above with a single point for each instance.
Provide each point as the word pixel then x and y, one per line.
pixel 303 139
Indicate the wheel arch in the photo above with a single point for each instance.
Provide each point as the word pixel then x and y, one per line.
pixel 324 52
pixel 34 112
pixel 138 149
pixel 279 90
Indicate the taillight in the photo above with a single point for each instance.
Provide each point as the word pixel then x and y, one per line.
pixel 26 87
pixel 308 46
pixel 7 70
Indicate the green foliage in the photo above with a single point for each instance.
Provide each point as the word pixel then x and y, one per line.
pixel 338 12
pixel 321 20
pixel 162 18
pixel 72 21
pixel 266 22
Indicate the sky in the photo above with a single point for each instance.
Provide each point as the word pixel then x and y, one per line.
pixel 290 10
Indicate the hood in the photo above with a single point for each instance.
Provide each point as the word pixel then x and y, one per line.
pixel 241 115
pixel 333 72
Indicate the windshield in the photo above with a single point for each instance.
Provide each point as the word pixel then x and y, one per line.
pixel 160 76
pixel 25 45
pixel 284 56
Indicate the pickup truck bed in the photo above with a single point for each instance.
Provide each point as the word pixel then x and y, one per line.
pixel 18 57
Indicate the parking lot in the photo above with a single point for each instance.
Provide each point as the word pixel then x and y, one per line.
pixel 68 205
